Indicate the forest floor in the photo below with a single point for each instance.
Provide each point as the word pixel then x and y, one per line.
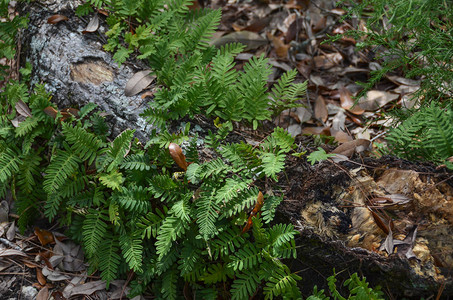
pixel 292 35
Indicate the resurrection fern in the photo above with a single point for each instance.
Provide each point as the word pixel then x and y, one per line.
pixel 427 134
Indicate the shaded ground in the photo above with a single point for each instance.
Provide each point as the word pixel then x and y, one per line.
pixel 290 34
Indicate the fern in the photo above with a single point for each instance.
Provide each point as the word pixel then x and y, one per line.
pixel 84 144
pixel 280 234
pixel 280 283
pixel 134 199
pixel 169 231
pixel 245 285
pixel 132 249
pixel 273 163
pixel 169 285
pixel 427 134
pixel 115 154
pixel 9 164
pixel 63 165
pixel 207 214
pixel 245 258
pixel 110 260
pixel 94 231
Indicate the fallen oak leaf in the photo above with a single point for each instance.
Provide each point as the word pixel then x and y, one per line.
pixel 22 109
pixel 56 19
pixel 178 156
pixel 140 81
pixel 348 148
pixel 93 25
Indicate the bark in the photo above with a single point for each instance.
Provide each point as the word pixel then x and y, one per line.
pixel 75 68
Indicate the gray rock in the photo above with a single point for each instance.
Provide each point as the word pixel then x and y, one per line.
pixel 75 68
pixel 29 292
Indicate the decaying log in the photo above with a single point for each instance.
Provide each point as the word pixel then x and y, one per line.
pixel 330 205
pixel 75 68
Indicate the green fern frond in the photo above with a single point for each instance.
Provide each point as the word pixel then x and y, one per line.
pixel 115 154
pixel 52 205
pixel 207 214
pixel 9 164
pixel 223 63
pixel 189 257
pixel 245 258
pixel 26 126
pixel 270 206
pixel 281 234
pixel 134 199
pixel 280 283
pixel 217 273
pixel 242 202
pixel 132 250
pixel 169 231
pixel 182 209
pixel 252 85
pixel 138 162
pixel 62 165
pixel 29 173
pixel 245 285
pixel 109 260
pixel 94 230
pixel 85 144
pixel 163 187
pixel 150 223
pixel 260 234
pixel 273 164
pixel 113 180
pixel 227 242
pixel 287 250
pixel 279 138
pixel 440 134
pixel 202 31
pixel 231 189
pixel 169 285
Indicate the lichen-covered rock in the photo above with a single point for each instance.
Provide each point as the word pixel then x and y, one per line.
pixel 75 68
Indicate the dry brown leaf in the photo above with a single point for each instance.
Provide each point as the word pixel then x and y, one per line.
pixel 349 148
pixel 17 120
pixel 45 237
pixel 376 99
pixel 403 81
pixel 22 109
pixel 321 109
pixel 50 111
pixel 93 25
pixel 41 279
pixel 72 111
pixel 178 156
pixel 250 39
pixel 87 288
pixel 56 19
pixel 11 252
pixel 11 233
pixel 316 130
pixel 147 94
pixel 43 294
pixel 327 61
pixel 140 81
pixel 347 102
pixel 281 49
pixel 342 137
pixel 258 25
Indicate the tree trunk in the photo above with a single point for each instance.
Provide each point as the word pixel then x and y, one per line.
pixel 75 68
